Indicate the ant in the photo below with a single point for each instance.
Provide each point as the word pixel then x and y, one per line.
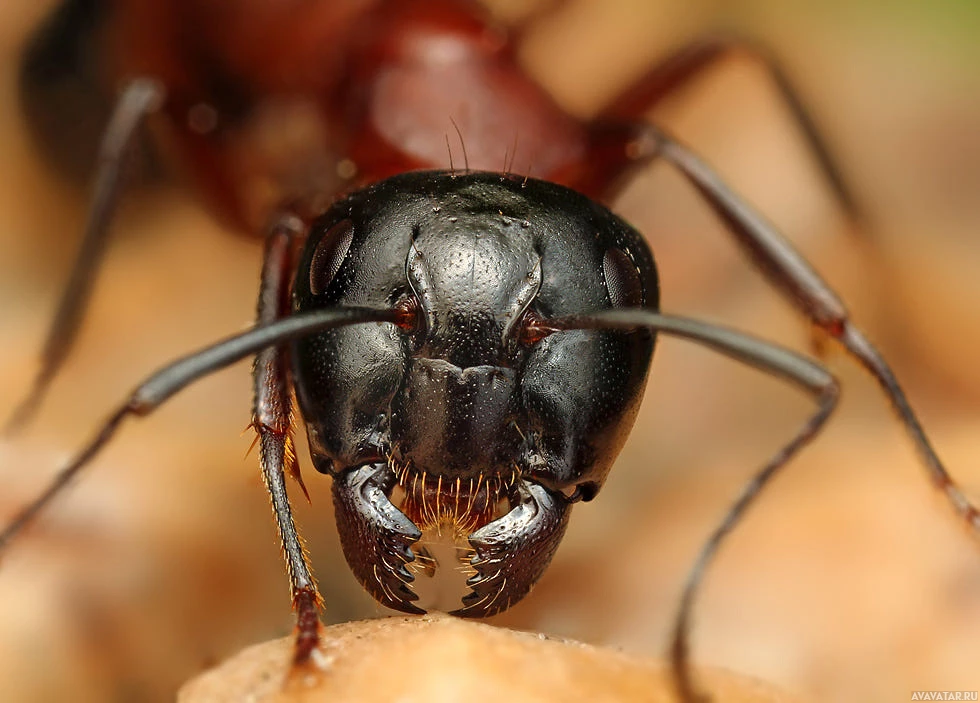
pixel 378 81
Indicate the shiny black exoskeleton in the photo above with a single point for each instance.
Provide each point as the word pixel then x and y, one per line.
pixel 467 402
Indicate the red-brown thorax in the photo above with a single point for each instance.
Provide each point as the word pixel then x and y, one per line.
pixel 288 103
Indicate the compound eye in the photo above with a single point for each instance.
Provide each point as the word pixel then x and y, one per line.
pixel 330 253
pixel 622 279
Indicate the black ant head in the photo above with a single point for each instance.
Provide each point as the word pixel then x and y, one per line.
pixel 470 417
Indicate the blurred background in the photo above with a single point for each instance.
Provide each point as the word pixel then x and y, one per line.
pixel 850 581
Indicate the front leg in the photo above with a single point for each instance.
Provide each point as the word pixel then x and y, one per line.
pixel 272 415
pixel 788 272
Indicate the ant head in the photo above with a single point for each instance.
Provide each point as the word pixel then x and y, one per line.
pixel 472 414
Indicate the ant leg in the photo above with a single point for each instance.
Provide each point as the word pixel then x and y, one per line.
pixel 139 99
pixel 790 273
pixel 765 356
pixel 272 420
pixel 157 388
pixel 689 63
